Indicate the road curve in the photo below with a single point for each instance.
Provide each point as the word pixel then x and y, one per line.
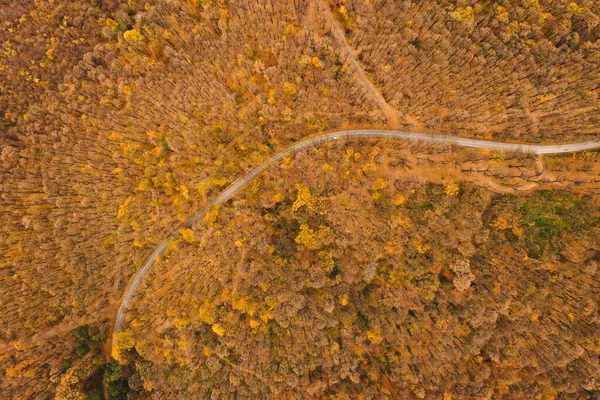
pixel 325 138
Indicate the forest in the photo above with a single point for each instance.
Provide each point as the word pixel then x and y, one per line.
pixel 364 268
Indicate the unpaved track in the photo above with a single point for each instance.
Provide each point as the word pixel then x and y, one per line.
pixel 325 138
pixel 41 337
pixel 340 37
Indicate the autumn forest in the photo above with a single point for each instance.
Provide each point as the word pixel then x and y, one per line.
pixel 300 199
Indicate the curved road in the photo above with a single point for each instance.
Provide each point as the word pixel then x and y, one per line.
pixel 325 138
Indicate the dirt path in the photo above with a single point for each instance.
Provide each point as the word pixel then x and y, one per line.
pixel 40 338
pixel 338 33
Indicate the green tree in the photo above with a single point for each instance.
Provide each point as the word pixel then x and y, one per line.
pixel 115 384
pixel 85 340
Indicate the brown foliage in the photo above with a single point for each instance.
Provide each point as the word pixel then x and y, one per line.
pixel 120 119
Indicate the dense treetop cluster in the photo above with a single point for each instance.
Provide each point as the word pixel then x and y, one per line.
pixel 350 281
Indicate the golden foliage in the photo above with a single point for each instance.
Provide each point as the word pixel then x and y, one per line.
pixel 379 184
pixel 303 197
pixel 344 299
pixel 375 336
pixel 574 7
pixel 173 244
pixel 212 215
pixel 244 304
pixel 399 199
pixel 420 246
pixel 287 162
pixel 328 168
pixel 133 35
pixel 291 29
pixel 311 239
pixel 466 16
pixel 218 329
pixel 290 88
pixel 122 341
pixel 265 316
pixel 208 312
pixel 254 324
pixel 181 323
pixel 451 189
pixel 220 181
pixel 278 197
pixel 326 260
pixel 188 235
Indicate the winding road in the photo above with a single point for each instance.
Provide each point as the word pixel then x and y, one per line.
pixel 325 138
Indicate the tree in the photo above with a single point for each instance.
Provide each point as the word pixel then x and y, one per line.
pixel 86 341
